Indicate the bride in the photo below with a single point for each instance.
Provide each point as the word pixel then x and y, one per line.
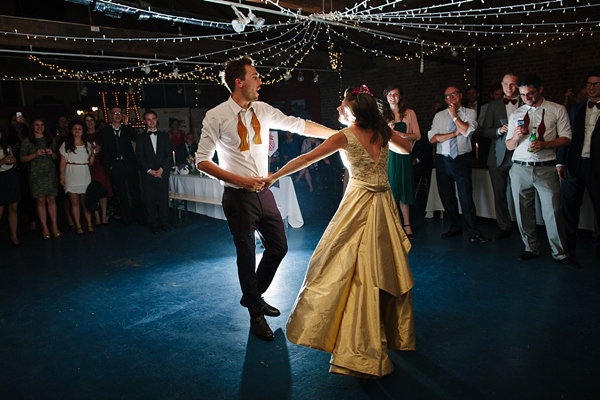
pixel 355 301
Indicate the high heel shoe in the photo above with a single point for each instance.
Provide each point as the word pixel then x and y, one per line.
pixel 79 231
pixel 410 236
pixel 91 229
pixel 56 234
pixel 46 236
pixel 16 244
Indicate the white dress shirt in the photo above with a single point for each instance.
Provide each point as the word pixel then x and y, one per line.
pixel 219 131
pixel 591 118
pixel 557 125
pixel 441 123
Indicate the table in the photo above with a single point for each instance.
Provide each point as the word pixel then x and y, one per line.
pixel 483 197
pixel 285 196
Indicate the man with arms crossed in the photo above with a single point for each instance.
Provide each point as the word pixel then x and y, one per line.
pixel 239 130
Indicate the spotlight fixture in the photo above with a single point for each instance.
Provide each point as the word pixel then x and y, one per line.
pixel 146 68
pixel 83 91
pixel 131 90
pixel 257 21
pixel 287 76
pixel 316 78
pixel 239 24
pixel 300 77
pixel 179 89
pixel 175 72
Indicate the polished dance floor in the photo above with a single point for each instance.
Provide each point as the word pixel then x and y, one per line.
pixel 125 314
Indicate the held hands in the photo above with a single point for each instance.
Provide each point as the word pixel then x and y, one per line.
pixel 252 183
pixel 268 181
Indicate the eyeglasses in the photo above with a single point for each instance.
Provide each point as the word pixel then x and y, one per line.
pixel 593 84
pixel 528 94
pixel 447 96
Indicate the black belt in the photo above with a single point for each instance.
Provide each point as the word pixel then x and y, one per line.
pixel 536 163
pixel 240 190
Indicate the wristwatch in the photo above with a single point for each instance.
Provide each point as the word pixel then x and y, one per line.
pixel 454 119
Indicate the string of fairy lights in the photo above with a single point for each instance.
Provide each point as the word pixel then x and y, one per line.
pixel 287 43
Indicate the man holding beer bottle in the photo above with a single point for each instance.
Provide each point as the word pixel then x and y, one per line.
pixel 534 167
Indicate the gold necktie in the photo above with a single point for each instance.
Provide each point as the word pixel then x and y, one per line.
pixel 243 132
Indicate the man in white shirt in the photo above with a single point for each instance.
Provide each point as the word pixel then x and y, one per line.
pixel 451 131
pixel 239 130
pixel 534 167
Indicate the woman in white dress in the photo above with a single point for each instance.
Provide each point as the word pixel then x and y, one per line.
pixel 76 156
pixel 356 300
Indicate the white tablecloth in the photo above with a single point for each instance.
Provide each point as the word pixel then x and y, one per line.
pixel 483 197
pixel 285 196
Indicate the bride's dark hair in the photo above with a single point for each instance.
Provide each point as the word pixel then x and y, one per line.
pixel 366 112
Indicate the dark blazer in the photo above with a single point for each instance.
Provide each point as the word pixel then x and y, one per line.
pixel 148 159
pixel 109 146
pixel 495 112
pixel 181 152
pixel 571 155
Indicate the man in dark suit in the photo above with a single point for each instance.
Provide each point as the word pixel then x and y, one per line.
pixel 120 161
pixel 578 164
pixel 154 151
pixel 499 160
pixel 186 149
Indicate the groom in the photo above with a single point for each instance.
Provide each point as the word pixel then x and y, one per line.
pixel 239 129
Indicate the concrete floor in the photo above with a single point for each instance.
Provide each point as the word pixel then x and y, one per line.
pixel 125 314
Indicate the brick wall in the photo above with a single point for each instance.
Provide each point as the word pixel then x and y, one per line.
pixel 562 64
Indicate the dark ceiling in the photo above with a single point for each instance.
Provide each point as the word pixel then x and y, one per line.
pixel 111 41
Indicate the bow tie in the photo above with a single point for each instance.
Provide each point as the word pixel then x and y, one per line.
pixel 153 133
pixel 591 104
pixel 512 101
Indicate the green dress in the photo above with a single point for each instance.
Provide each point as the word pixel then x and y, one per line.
pixel 43 180
pixel 400 172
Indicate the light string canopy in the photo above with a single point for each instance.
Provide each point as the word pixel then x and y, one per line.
pixel 421 31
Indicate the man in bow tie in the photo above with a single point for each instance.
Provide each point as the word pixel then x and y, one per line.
pixel 154 152
pixel 578 164
pixel 499 160
pixel 451 132
pixel 534 167
pixel 239 129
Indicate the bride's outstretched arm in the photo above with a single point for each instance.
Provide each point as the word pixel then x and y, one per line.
pixel 319 131
pixel 328 147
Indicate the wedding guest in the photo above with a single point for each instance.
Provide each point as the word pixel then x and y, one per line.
pixel 38 152
pixel 97 169
pixel 10 194
pixel 76 157
pixel 177 135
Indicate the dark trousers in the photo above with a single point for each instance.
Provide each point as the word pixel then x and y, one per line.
pixel 449 171
pixel 572 191
pixel 156 196
pixel 499 177
pixel 247 212
pixel 125 178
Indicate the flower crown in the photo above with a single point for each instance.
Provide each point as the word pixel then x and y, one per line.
pixel 361 90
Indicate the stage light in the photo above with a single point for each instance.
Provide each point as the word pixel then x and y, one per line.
pixel 287 76
pixel 316 78
pixel 300 77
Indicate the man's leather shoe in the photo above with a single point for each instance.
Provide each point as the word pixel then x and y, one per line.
pixel 527 256
pixel 570 262
pixel 267 309
pixel 503 234
pixel 261 328
pixel 479 239
pixel 165 228
pixel 451 233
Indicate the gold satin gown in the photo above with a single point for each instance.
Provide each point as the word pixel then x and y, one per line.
pixel 355 301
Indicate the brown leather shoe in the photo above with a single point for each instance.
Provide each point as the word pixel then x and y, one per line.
pixel 261 328
pixel 267 309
